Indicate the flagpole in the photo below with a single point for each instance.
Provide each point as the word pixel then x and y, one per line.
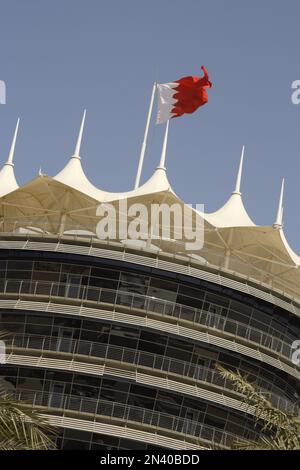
pixel 144 144
pixel 162 163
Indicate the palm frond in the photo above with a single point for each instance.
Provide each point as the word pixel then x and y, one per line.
pixel 21 427
pixel 280 430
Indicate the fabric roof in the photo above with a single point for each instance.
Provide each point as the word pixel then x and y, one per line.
pixel 67 204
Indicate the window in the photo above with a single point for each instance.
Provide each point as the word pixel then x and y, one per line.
pixel 2 267
pixel 152 347
pixel 123 341
pixel 69 322
pixel 46 266
pixel 75 269
pixel 73 286
pixel 19 265
pixel 213 421
pixel 165 407
pixel 39 319
pixel 153 337
pixel 134 283
pixel 141 402
pixel 163 289
pixel 169 398
pixel 64 339
pixel 26 372
pixel 216 299
pixel 59 376
pixel 45 276
pixel 19 274
pixel 44 330
pixel 12 317
pixel 191 292
pixel 12 327
pixel 141 390
pixel 237 316
pixel 104 283
pixel 178 354
pixel 190 301
pixel 241 308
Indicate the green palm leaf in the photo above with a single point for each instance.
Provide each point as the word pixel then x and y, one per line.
pixel 279 430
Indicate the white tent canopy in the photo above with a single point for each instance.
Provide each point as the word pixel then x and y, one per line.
pixel 67 204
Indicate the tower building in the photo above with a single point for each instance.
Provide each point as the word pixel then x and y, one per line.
pixel 116 341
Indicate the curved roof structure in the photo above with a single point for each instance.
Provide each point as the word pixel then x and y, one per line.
pixel 233 213
pixel 73 175
pixel 67 203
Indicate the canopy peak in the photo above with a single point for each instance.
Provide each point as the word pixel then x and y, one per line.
pixel 239 175
pixel 279 218
pixel 79 138
pixel 13 145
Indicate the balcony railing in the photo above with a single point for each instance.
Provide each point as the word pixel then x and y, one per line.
pixel 131 414
pixel 149 304
pixel 140 358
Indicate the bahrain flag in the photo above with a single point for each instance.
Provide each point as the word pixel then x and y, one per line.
pixel 183 96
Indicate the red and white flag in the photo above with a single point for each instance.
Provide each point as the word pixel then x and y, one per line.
pixel 182 96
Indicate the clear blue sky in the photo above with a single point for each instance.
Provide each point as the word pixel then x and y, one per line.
pixel 58 57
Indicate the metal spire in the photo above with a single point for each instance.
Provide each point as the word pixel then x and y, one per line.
pixel 13 146
pixel 279 219
pixel 79 139
pixel 164 149
pixel 239 175
pixel 144 144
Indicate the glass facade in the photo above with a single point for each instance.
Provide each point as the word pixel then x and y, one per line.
pixel 209 305
pixel 141 348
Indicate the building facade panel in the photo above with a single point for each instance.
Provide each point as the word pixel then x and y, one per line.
pixel 147 361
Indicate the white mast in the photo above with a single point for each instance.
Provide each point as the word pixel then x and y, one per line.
pixel 239 175
pixel 13 146
pixel 79 139
pixel 144 144
pixel 279 219
pixel 162 163
pixel 8 181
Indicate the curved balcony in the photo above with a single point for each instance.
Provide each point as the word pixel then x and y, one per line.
pixel 97 409
pixel 138 302
pixel 139 358
pixel 79 244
